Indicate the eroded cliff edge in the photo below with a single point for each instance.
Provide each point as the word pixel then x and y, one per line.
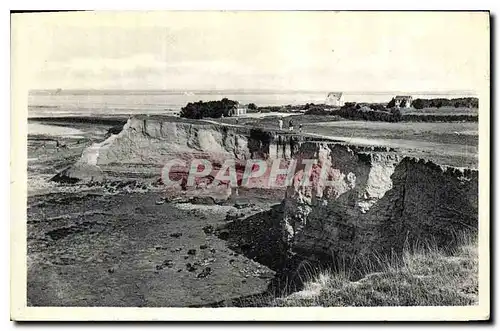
pixel 376 203
pixel 147 143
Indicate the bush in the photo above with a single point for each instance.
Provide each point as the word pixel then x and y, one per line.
pixel 391 103
pixel 378 106
pixel 252 106
pixel 442 102
pixel 316 110
pixel 213 109
pixel 355 111
pixel 418 104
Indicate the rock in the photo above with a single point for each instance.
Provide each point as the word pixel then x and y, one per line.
pixel 168 263
pixel 160 202
pixel 79 173
pixel 203 246
pixel 190 267
pixel 241 205
pixel 209 229
pixel 159 248
pixel 180 200
pixel 176 234
pixel 224 234
pixel 192 252
pixel 265 276
pixel 111 270
pixel 202 200
pixel 207 271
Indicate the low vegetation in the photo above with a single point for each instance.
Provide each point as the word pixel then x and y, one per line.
pixel 373 112
pixel 439 118
pixel 426 276
pixel 213 109
pixel 442 102
pixel 423 110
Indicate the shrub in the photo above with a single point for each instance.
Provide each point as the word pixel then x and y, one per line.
pixel 418 104
pixel 252 106
pixel 214 109
pixel 359 112
pixel 316 110
pixel 391 103
pixel 468 102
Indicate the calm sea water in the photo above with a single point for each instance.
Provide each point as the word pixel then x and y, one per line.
pixel 62 103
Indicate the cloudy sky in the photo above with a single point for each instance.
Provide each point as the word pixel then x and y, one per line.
pixel 347 51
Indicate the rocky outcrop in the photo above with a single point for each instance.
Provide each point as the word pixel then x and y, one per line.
pixel 79 172
pixel 147 143
pixel 375 203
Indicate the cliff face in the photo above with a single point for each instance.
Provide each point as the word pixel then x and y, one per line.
pixel 146 144
pixel 376 203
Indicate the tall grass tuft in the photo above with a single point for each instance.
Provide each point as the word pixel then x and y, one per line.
pixel 423 275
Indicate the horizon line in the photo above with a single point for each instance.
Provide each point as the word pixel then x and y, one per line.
pixel 256 91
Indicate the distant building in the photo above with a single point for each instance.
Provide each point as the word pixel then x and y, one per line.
pixel 335 99
pixel 238 110
pixel 403 101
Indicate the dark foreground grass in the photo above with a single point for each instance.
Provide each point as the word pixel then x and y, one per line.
pixel 421 277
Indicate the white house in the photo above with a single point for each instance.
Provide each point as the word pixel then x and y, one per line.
pixel 403 101
pixel 239 110
pixel 335 99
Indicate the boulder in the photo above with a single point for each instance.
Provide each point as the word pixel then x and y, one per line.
pixel 79 173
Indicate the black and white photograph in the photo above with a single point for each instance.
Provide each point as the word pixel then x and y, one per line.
pixel 217 161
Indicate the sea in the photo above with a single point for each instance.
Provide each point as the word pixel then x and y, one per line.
pixel 56 103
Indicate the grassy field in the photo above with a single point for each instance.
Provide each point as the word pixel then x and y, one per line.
pixel 447 143
pixel 421 277
pixel 452 133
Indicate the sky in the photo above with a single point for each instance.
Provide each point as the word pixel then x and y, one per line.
pixel 313 51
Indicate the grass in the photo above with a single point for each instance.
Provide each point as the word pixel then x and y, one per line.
pixel 424 276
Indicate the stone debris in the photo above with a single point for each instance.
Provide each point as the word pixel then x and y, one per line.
pixel 209 229
pixel 207 271
pixel 191 267
pixel 166 263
